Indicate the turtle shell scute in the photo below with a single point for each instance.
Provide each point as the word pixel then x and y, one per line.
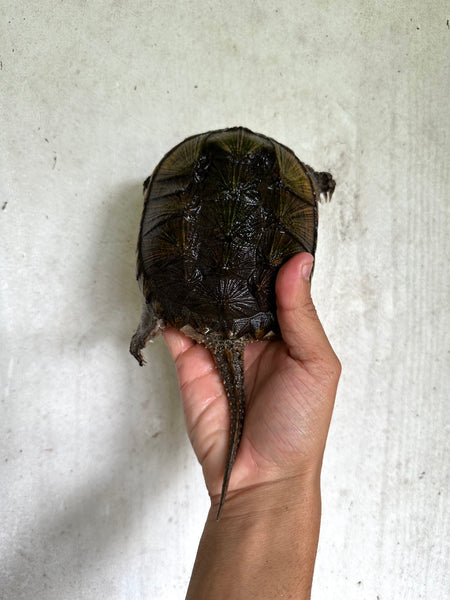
pixel 223 211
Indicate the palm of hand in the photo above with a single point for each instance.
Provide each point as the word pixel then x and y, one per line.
pixel 290 387
pixel 285 425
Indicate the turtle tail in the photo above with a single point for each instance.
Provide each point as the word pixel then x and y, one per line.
pixel 229 358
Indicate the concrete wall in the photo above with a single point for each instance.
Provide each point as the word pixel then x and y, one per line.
pixel 100 494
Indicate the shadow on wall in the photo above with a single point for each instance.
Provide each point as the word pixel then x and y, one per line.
pixel 106 506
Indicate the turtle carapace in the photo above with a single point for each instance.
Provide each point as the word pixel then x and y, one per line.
pixel 223 211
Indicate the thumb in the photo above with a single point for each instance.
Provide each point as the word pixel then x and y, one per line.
pixel 300 326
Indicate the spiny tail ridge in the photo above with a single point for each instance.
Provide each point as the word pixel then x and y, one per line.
pixel 229 357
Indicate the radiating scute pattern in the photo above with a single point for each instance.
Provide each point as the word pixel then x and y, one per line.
pixel 224 210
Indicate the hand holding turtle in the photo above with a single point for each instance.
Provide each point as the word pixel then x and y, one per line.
pixel 269 529
pixel 223 211
pixel 290 388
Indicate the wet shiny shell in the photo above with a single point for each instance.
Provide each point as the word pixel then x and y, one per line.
pixel 223 211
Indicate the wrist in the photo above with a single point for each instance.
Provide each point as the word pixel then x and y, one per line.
pixel 264 544
pixel 289 493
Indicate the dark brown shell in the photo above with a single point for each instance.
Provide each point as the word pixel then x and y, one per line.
pixel 223 211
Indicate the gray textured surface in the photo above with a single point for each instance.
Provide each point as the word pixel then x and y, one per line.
pixel 100 493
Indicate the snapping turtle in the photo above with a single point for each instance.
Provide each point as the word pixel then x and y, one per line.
pixel 223 211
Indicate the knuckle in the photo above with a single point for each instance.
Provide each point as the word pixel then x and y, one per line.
pixel 334 369
pixel 329 369
pixel 336 366
pixel 309 309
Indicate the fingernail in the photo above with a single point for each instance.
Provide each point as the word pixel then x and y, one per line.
pixel 306 270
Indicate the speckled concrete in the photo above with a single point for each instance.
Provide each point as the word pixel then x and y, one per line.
pixel 100 495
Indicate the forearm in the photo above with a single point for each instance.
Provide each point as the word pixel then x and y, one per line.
pixel 263 547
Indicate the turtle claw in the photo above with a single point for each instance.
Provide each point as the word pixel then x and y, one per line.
pixel 148 328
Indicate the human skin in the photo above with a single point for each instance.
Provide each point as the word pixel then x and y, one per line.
pixel 265 543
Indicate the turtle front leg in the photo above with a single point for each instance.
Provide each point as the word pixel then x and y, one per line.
pixel 149 326
pixel 323 184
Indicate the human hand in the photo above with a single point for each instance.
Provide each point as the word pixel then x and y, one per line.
pixel 290 387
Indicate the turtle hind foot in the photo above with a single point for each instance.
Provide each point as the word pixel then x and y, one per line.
pixel 136 346
pixel 148 328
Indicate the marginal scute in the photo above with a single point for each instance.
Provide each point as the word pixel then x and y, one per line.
pixel 238 141
pixel 174 172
